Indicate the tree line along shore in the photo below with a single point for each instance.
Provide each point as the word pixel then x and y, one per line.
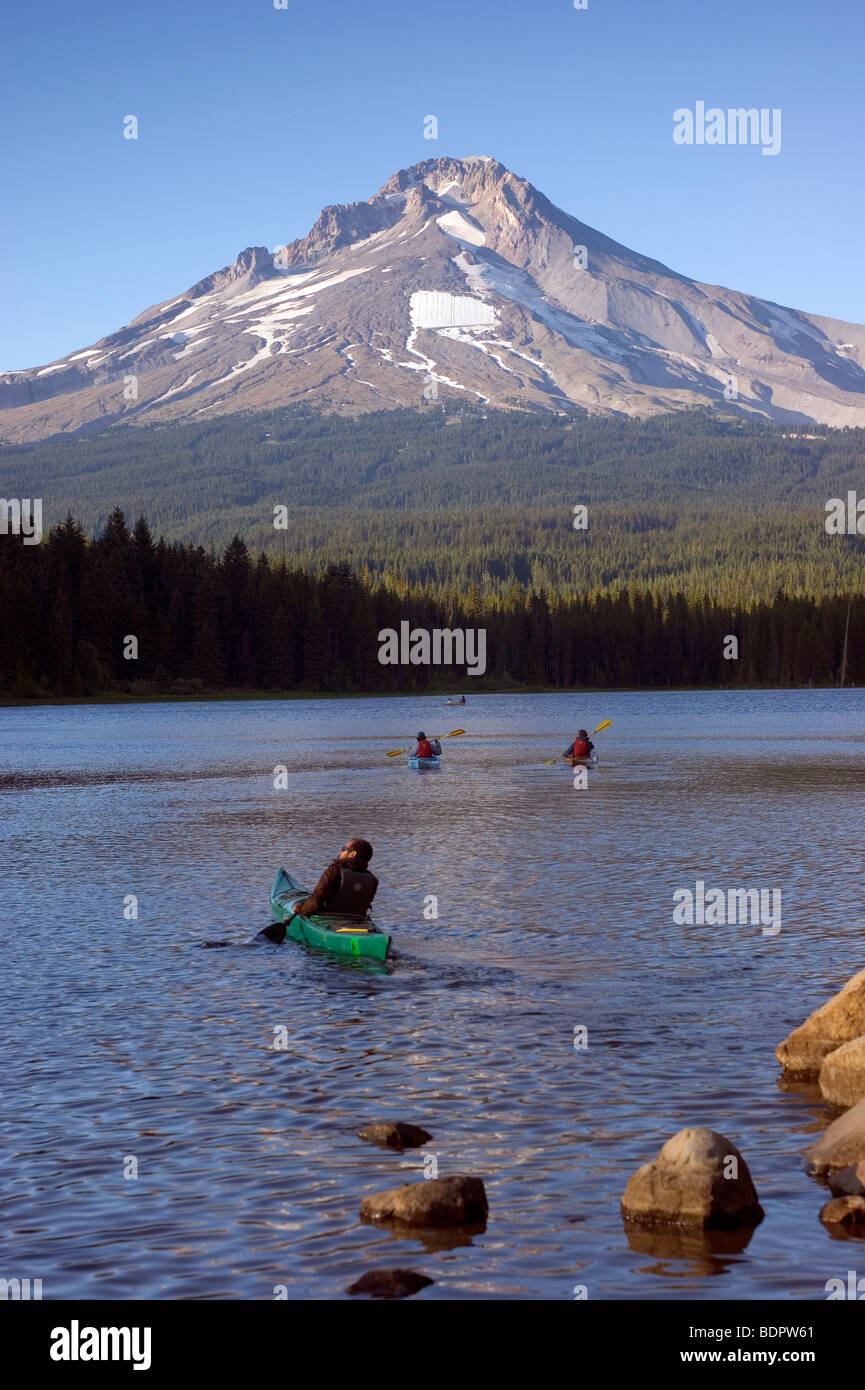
pixel 204 623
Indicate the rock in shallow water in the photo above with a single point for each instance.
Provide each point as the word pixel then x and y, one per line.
pixel 849 1181
pixel 842 1144
pixel 455 1201
pixel 844 1211
pixel 839 1021
pixel 390 1283
pixel 842 1075
pixel 698 1179
pixel 395 1135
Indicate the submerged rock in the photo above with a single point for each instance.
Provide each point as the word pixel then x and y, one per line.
pixel 835 1023
pixel 395 1135
pixel 842 1075
pixel 456 1201
pixel 844 1211
pixel 698 1179
pixel 842 1144
pixel 849 1181
pixel 390 1283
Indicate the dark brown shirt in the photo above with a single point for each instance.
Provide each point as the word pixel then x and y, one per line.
pixel 326 890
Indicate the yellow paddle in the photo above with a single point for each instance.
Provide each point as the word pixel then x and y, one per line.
pixel 454 733
pixel 605 724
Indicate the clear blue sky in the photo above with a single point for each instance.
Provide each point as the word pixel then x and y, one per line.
pixel 253 118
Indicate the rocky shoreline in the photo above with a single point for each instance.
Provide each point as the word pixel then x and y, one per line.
pixel 698 1183
pixel 700 1179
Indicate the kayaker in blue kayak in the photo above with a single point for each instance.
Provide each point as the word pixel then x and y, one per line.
pixel 346 887
pixel 581 747
pixel 426 748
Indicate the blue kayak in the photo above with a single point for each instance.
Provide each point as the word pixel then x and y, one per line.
pixel 424 762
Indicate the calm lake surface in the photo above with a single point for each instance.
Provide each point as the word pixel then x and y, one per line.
pixel 125 1040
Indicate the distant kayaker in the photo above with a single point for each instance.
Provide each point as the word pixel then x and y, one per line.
pixel 581 747
pixel 346 886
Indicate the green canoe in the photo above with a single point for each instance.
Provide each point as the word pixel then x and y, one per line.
pixel 342 936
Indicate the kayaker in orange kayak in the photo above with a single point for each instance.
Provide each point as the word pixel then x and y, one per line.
pixel 346 886
pixel 581 747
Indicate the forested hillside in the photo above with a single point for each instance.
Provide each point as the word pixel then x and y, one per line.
pixel 445 497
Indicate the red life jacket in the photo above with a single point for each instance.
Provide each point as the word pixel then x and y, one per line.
pixel 581 748
pixel 424 748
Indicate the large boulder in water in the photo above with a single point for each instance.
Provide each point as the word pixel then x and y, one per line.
pixel 393 1134
pixel 456 1201
pixel 842 1075
pixel 839 1021
pixel 390 1283
pixel 698 1179
pixel 842 1144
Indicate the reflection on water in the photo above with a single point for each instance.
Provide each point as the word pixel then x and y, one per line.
pixel 137 1052
pixel 681 1253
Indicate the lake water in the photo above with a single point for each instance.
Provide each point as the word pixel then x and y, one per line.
pixel 124 1040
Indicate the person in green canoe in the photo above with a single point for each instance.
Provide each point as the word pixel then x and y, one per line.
pixel 346 887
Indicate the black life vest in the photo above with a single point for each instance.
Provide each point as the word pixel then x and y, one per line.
pixel 356 890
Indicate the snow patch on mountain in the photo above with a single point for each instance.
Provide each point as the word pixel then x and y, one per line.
pixel 696 325
pixel 175 389
pixel 435 309
pixel 191 347
pixel 452 192
pixel 517 285
pixel 457 225
pixel 787 326
pixel 428 365
pixel 487 344
pixel 148 342
pixel 420 231
pixel 195 307
pixel 283 292
pixel 459 335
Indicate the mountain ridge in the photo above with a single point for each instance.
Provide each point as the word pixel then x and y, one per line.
pixel 458 278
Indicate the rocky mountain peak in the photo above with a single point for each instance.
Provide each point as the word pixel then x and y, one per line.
pixel 458 278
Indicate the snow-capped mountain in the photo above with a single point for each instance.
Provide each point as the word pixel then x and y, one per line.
pixel 457 279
